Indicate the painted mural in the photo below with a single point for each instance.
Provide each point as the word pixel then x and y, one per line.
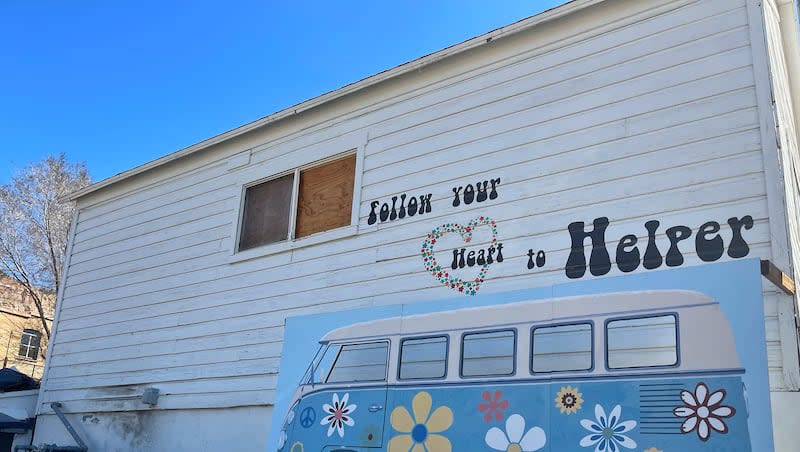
pixel 663 361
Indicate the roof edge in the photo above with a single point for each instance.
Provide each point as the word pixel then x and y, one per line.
pixel 413 65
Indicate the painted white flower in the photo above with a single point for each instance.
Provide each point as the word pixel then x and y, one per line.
pixel 703 411
pixel 513 440
pixel 607 433
pixel 338 415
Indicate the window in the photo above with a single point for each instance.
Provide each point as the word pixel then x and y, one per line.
pixel 295 205
pixel 562 348
pixel 486 354
pixel 29 344
pixel 642 342
pixel 355 362
pixel 423 358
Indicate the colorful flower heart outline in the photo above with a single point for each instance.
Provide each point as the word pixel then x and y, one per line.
pixel 432 265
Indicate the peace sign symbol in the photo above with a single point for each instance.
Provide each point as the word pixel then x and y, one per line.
pixel 307 417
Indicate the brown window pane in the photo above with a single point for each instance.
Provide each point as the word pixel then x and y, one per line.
pixel 266 212
pixel 326 196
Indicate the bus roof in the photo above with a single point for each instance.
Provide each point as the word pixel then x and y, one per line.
pixel 531 311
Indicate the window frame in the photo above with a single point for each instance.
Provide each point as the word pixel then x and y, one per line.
pixel 341 346
pixel 514 355
pixel 591 352
pixel 673 314
pixel 249 175
pixel 446 356
pixel 32 333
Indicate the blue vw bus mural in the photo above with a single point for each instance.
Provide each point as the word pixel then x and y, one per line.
pixel 644 371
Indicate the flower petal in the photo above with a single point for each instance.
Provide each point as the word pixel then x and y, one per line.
pixel 438 443
pixel 624 441
pixel 401 420
pixel 343 402
pixel 590 440
pixel 440 420
pixel 701 393
pixel 331 428
pixel 717 425
pixel 623 427
pixel 688 398
pixel 683 411
pixel 348 421
pixel 496 439
pixel 689 424
pixel 327 408
pixel 716 397
pixel 422 406
pixel 702 430
pixel 723 411
pixel 335 399
pixel 600 415
pixel 533 440
pixel 613 417
pixel 400 443
pixel 591 426
pixel 515 427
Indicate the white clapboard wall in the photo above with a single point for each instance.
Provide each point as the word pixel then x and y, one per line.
pixel 635 110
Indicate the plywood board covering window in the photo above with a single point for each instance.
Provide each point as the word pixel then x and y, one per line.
pixel 325 199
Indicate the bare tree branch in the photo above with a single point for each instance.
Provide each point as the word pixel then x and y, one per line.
pixel 34 227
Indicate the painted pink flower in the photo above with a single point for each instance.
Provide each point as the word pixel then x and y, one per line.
pixel 338 415
pixel 493 407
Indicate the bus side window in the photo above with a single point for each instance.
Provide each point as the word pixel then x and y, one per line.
pixel 423 358
pixel 359 362
pixel 562 348
pixel 488 353
pixel 642 342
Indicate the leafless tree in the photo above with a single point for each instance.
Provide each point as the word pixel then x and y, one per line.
pixel 34 225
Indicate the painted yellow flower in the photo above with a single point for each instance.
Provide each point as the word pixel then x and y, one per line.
pixel 653 449
pixel 419 434
pixel 569 400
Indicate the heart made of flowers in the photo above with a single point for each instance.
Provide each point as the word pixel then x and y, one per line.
pixel 444 277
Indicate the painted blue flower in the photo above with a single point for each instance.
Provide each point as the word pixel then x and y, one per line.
pixel 607 433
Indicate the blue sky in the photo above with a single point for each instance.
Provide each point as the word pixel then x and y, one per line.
pixel 119 83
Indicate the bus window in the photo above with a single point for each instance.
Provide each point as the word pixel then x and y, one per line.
pixel 642 342
pixel 488 354
pixel 423 358
pixel 562 348
pixel 357 362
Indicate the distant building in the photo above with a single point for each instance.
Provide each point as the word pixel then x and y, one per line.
pixel 22 340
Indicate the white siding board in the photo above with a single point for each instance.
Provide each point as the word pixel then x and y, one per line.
pixel 181 203
pixel 543 69
pixel 568 97
pixel 683 87
pixel 683 125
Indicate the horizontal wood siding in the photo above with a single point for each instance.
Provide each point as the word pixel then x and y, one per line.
pixel 645 111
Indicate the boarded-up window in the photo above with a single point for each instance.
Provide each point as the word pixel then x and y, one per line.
pixel 266 212
pixel 642 342
pixel 325 197
pixel 324 200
